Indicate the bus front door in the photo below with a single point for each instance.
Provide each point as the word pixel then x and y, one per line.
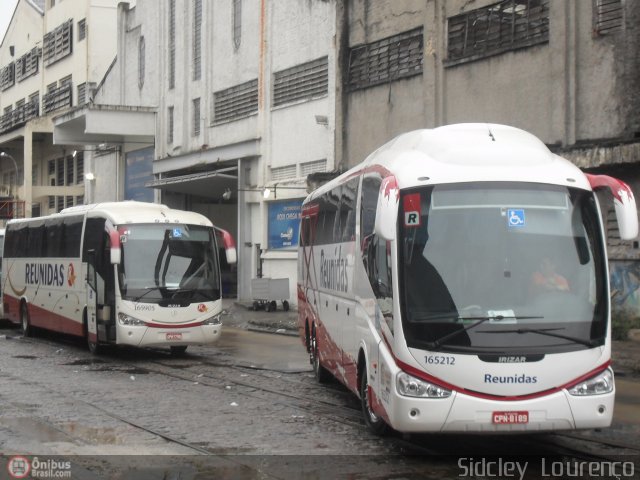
pixel 92 308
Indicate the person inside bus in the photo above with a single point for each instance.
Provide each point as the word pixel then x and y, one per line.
pixel 547 279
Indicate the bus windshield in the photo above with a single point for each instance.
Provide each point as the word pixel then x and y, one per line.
pixel 495 267
pixel 168 262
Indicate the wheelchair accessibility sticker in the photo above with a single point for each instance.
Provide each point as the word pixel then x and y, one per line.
pixel 515 217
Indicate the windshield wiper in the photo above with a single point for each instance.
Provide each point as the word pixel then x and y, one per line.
pixel 548 332
pixel 148 290
pixel 440 341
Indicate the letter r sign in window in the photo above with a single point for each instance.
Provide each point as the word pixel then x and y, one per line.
pixel 411 208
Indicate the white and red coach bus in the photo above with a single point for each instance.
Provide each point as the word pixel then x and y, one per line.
pixel 122 273
pixel 457 281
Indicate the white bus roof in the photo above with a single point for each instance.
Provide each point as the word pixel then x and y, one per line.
pixel 130 211
pixel 468 152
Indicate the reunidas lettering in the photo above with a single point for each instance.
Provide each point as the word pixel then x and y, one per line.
pixel 488 378
pixel 44 274
pixel 333 271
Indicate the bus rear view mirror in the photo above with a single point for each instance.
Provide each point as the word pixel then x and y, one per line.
pixel 226 241
pixel 232 256
pixel 623 201
pixel 387 211
pixel 116 256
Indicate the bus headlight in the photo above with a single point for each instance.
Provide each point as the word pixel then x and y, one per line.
pixel 410 386
pixel 127 320
pixel 597 385
pixel 215 320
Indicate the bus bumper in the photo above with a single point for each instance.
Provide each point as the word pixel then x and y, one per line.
pixel 465 413
pixel 141 336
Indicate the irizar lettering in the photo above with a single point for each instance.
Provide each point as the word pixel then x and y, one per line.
pixel 44 274
pixel 333 271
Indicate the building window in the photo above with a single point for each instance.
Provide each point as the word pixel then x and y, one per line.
pixel 608 16
pixel 386 60
pixel 308 168
pixel 237 23
pixel 302 82
pixel 58 43
pixel 82 94
pixel 141 61
pixel 497 28
pixel 27 64
pixel 7 76
pixel 82 29
pixel 196 117
pixel 170 125
pixel 235 102
pixel 197 39
pixel 172 43
pixel 283 173
pixel 80 168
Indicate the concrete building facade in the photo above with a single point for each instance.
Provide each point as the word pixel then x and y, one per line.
pixel 51 59
pixel 568 71
pixel 243 94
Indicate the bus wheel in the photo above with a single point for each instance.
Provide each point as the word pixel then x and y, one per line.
pixel 376 424
pixel 24 320
pixel 178 350
pixel 321 373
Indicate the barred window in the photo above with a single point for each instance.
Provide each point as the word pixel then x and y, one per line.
pixel 497 28
pixel 141 61
pixel 608 16
pixel 386 60
pixel 27 64
pixel 58 43
pixel 80 168
pixel 197 39
pixel 237 23
pixel 283 173
pixel 7 76
pixel 170 125
pixel 236 102
pixel 308 168
pixel 301 82
pixel 82 94
pixel 196 117
pixel 172 43
pixel 82 29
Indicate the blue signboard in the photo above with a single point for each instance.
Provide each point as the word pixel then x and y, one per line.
pixel 284 224
pixel 139 170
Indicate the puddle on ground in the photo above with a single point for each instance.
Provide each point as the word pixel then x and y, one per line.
pixel 93 435
pixel 119 369
pixel 32 428
pixel 85 361
pixel 29 357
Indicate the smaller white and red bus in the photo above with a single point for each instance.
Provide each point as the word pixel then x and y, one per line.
pixel 121 273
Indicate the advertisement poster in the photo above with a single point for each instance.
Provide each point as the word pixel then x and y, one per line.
pixel 139 170
pixel 284 224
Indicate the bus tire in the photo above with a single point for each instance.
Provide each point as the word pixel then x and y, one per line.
pixel 322 374
pixel 374 423
pixel 178 350
pixel 25 323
